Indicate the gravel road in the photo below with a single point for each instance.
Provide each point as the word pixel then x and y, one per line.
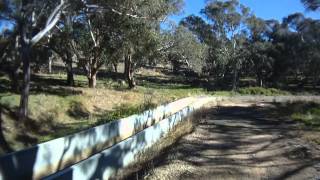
pixel 240 141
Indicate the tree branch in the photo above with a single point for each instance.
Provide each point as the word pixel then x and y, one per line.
pixel 108 8
pixel 51 22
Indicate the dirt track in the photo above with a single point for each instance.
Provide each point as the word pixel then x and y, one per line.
pixel 241 141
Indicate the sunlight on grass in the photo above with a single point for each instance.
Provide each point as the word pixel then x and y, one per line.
pixel 58 110
pixel 310 116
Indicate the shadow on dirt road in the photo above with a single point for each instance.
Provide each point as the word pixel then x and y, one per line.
pixel 240 142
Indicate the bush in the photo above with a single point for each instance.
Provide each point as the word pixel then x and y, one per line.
pixel 309 114
pixel 125 110
pixel 262 91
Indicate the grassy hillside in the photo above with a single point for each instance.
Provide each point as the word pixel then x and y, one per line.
pixel 57 110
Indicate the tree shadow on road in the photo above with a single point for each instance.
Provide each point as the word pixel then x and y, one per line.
pixel 251 142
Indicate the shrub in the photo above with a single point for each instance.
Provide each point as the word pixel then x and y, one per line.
pixel 262 91
pixel 308 114
pixel 125 110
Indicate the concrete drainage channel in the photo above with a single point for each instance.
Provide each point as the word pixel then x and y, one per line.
pixel 102 151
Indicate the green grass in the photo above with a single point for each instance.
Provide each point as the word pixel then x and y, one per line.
pixel 261 91
pixel 57 110
pixel 9 100
pixel 308 114
pixel 121 111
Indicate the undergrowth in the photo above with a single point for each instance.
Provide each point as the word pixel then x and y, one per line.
pixel 261 91
pixel 307 113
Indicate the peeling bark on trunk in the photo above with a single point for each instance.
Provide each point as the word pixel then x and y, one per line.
pixel 93 80
pixel 115 67
pixel 92 71
pixel 129 71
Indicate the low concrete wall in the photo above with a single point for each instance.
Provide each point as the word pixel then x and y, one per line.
pixel 48 158
pixel 105 165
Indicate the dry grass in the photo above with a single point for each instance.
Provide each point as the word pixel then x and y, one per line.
pixel 107 99
pixel 57 110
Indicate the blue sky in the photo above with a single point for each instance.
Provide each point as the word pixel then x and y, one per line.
pixel 266 9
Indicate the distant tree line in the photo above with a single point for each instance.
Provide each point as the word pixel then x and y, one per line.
pixel 243 45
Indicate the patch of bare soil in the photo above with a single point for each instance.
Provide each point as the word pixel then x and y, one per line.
pixel 238 141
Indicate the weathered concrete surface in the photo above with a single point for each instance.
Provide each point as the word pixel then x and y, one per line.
pixel 107 163
pixel 242 141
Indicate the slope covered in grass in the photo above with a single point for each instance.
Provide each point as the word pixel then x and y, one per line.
pixel 57 110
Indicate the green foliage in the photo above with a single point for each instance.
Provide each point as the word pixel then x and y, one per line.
pixel 9 100
pixel 312 5
pixel 309 114
pixel 125 110
pixel 261 91
pixel 186 50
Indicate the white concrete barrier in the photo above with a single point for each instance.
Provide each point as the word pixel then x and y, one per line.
pixel 105 165
pixel 50 157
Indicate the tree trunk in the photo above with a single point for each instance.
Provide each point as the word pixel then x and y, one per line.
pixel 50 65
pixel 115 67
pixel 25 56
pixel 129 71
pixel 260 81
pixel 235 67
pixel 37 67
pixel 235 79
pixel 92 80
pixel 70 78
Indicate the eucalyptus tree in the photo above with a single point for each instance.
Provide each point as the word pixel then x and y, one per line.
pixel 201 28
pixel 228 21
pixel 61 42
pixel 33 20
pixel 137 29
pixel 312 41
pixel 139 43
pixel 259 50
pixel 9 45
pixel 89 45
pixel 9 59
pixel 307 36
pixel 186 50
pixel 312 5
